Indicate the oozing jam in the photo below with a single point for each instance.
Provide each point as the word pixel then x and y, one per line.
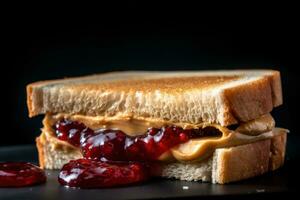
pixel 85 173
pixel 103 147
pixel 20 174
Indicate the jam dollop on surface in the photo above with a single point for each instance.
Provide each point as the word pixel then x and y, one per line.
pixel 85 173
pixel 112 158
pixel 20 174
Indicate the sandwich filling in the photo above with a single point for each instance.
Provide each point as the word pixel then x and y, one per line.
pixel 127 139
pixel 126 151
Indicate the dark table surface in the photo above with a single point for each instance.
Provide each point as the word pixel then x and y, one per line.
pixel 278 183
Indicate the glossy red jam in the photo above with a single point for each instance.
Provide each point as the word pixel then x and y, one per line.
pixel 85 173
pixel 114 145
pixel 20 174
pixel 111 158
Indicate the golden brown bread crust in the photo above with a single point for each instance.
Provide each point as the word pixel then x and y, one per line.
pixel 223 97
pixel 244 97
pixel 169 85
pixel 277 151
pixel 245 161
pixel 40 147
pixel 241 162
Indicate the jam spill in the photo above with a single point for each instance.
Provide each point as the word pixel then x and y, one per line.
pixel 85 173
pixel 20 174
pixel 112 158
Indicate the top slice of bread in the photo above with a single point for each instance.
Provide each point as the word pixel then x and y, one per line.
pixel 222 97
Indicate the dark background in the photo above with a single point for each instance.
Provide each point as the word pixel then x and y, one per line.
pixel 40 48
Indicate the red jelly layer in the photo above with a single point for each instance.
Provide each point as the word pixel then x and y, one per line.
pixel 111 158
pixel 86 173
pixel 20 174
pixel 114 145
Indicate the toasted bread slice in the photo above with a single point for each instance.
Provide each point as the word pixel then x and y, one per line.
pixel 226 164
pixel 222 97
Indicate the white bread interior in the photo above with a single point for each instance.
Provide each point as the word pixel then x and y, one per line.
pixel 222 97
pixel 226 164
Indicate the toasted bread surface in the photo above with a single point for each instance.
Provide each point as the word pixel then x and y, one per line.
pixel 223 97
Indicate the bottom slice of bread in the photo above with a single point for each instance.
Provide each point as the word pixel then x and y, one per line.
pixel 226 165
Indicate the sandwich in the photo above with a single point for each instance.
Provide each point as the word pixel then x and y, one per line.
pixel 211 126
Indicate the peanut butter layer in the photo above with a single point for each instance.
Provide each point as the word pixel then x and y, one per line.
pixel 134 127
